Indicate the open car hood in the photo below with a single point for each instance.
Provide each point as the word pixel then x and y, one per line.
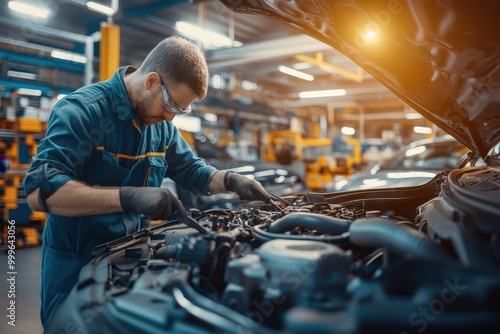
pixel 440 57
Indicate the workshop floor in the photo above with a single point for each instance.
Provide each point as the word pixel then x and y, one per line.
pixel 27 292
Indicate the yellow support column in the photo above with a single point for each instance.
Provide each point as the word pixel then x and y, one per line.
pixel 109 50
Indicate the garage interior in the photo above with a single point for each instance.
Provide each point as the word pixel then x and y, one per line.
pixel 250 97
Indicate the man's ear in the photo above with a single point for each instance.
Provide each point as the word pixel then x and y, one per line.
pixel 152 80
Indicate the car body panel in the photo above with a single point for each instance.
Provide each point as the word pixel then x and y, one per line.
pixel 414 164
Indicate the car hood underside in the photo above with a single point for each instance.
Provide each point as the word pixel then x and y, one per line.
pixel 439 57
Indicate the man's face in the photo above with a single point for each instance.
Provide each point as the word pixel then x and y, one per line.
pixel 150 106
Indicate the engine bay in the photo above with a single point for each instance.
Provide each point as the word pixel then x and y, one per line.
pixel 407 260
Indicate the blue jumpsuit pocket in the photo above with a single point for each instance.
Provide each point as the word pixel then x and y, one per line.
pixel 156 171
pixel 105 171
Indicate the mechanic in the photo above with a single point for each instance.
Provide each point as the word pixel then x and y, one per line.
pixel 107 148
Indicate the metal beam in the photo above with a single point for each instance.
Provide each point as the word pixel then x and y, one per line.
pixel 227 104
pixel 318 61
pixel 39 29
pixel 45 88
pixel 109 59
pixel 385 116
pixel 359 94
pixel 255 52
pixel 40 61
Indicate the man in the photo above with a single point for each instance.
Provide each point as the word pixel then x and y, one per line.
pixel 106 150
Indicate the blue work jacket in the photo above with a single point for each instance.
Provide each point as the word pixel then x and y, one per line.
pixel 93 137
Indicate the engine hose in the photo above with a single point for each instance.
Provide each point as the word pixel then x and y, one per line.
pixel 166 252
pixel 313 221
pixel 263 236
pixel 217 314
pixel 383 232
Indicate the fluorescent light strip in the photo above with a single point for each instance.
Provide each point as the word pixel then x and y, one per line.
pixel 21 75
pixel 29 92
pixel 423 130
pixel 29 9
pixel 69 56
pixel 100 8
pixel 206 36
pixel 413 115
pixel 322 93
pixel 302 66
pixel 295 73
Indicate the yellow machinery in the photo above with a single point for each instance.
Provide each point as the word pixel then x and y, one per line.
pixel 313 156
pixel 318 163
pixel 189 137
pixel 348 156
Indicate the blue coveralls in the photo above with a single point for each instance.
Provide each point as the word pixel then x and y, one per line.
pixel 92 137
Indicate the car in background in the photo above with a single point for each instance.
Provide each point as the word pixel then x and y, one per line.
pixel 275 178
pixel 413 165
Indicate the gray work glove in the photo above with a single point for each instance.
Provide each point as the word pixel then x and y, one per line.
pixel 157 203
pixel 245 187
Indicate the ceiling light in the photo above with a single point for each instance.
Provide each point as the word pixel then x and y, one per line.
pixel 249 85
pixel 216 81
pixel 348 131
pixel 187 123
pixel 413 115
pixel 371 35
pixel 209 117
pixel 302 66
pixel 322 93
pixel 21 75
pixel 100 8
pixel 208 37
pixel 423 130
pixel 295 73
pixel 69 56
pixel 29 92
pixel 26 8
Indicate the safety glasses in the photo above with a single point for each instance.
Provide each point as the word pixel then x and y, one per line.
pixel 169 105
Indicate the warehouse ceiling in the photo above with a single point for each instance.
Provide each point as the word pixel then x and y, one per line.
pixel 265 45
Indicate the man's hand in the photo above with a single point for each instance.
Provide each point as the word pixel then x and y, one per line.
pixel 246 188
pixel 156 203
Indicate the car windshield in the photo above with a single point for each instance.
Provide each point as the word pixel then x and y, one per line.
pixel 434 156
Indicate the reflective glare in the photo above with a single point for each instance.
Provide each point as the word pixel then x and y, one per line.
pixel 243 169
pixel 410 175
pixel 371 183
pixel 415 151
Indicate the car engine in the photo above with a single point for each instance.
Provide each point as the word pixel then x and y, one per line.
pixel 407 260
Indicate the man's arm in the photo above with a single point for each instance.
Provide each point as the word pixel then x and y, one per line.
pixel 77 199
